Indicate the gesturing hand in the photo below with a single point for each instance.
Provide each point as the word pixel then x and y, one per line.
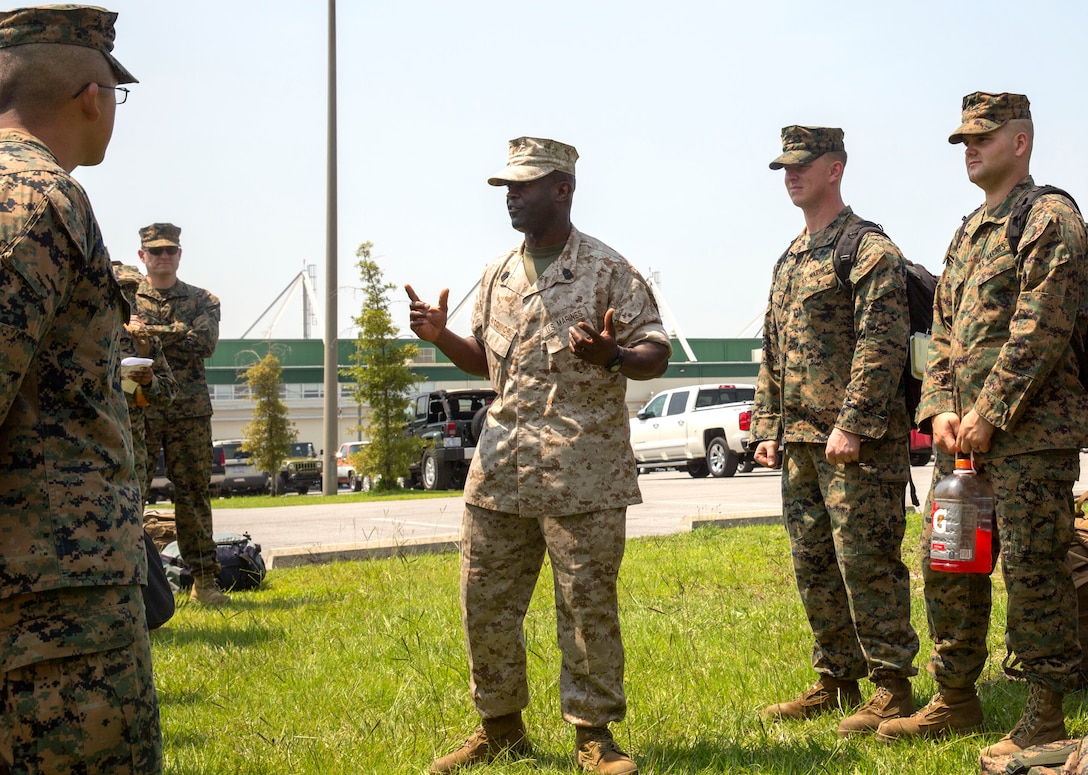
pixel 426 321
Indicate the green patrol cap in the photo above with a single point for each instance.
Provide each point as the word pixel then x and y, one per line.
pixel 529 158
pixel 160 235
pixel 72 25
pixel 984 112
pixel 802 144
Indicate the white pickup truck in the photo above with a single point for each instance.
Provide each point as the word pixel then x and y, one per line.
pixel 702 428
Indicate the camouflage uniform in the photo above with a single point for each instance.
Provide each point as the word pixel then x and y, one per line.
pixel 1001 333
pixel 78 693
pixel 186 319
pixel 832 359
pixel 556 450
pixel 163 386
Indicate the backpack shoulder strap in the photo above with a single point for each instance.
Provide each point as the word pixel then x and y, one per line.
pixel 846 249
pixel 1018 216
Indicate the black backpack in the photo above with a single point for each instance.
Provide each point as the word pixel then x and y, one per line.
pixel 241 565
pixel 921 286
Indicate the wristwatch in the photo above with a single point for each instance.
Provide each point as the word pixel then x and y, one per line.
pixel 616 363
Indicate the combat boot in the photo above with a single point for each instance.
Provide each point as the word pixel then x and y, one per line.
pixel 491 739
pixel 892 699
pixel 825 695
pixel 1043 722
pixel 950 710
pixel 206 592
pixel 596 751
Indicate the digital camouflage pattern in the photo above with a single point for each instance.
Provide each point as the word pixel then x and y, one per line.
pixel 984 112
pixel 186 319
pixel 87 703
pixel 802 144
pixel 1075 762
pixel 846 526
pixel 1002 327
pixel 1033 508
pixel 1001 345
pixel 501 557
pixel 832 358
pixel 159 235
pixel 557 438
pixel 73 25
pixel 73 551
pixel 136 343
pixel 530 158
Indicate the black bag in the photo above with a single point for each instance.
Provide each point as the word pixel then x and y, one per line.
pixel 241 565
pixel 921 287
pixel 158 594
pixel 240 562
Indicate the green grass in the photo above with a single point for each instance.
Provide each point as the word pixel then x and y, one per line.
pixel 360 668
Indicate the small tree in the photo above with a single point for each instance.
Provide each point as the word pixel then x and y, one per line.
pixel 268 437
pixel 382 378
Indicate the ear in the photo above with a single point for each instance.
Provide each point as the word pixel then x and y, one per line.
pixel 563 191
pixel 1021 143
pixel 142 255
pixel 834 170
pixel 88 102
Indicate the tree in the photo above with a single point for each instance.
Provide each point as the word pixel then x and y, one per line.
pixel 383 380
pixel 268 437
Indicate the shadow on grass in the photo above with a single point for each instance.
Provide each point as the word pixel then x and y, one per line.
pixel 720 755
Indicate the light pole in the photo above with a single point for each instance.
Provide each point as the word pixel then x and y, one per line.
pixel 332 377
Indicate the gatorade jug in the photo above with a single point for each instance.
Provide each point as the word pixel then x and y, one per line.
pixel 963 520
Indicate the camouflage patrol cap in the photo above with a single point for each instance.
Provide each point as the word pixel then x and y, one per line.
pixel 530 158
pixel 802 144
pixel 160 235
pixel 984 112
pixel 73 25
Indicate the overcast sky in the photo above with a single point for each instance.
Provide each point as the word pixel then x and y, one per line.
pixel 675 107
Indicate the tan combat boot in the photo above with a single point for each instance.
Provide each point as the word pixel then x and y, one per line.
pixel 491 739
pixel 825 695
pixel 596 751
pixel 950 710
pixel 892 699
pixel 1043 722
pixel 206 592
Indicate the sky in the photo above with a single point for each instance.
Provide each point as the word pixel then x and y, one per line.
pixel 676 108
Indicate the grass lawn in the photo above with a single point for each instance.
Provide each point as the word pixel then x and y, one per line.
pixel 343 496
pixel 360 668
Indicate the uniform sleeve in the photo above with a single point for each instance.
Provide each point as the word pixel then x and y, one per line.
pixel 1052 277
pixel 163 386
pixel 637 318
pixel 767 414
pixel 198 338
pixel 881 326
pixel 35 276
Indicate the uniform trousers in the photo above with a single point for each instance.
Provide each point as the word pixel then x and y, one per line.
pixel 501 558
pixel 1033 507
pixel 78 693
pixel 846 524
pixel 187 448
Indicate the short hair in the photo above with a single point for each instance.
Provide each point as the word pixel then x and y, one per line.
pixel 44 76
pixel 1024 125
pixel 837 156
pixel 563 177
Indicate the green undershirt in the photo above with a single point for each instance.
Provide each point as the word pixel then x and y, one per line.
pixel 537 260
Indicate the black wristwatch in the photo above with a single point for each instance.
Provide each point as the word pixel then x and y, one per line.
pixel 616 363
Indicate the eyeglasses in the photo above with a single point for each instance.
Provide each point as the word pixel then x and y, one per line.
pixel 120 92
pixel 170 251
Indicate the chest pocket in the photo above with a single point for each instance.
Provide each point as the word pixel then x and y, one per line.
pixel 499 339
pixel 815 277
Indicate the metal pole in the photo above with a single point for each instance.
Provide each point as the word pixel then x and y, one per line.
pixel 332 391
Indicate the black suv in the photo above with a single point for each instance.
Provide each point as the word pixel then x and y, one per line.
pixel 449 422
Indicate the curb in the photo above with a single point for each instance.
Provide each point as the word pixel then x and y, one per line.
pixel 295 556
pixel 739 519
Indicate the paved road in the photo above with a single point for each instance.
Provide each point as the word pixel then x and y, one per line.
pixel 670 501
